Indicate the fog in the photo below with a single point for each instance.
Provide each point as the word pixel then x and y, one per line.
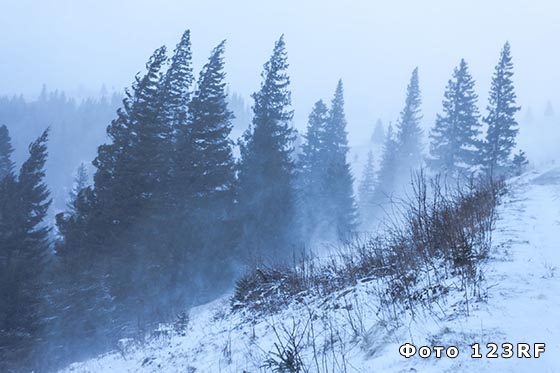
pixel 373 46
pixel 179 210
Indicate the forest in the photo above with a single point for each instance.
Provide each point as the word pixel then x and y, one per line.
pixel 181 203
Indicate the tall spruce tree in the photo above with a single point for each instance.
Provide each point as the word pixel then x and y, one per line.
pixel 311 170
pixel 24 245
pixel 176 91
pixel 266 169
pixel 402 152
pixel 502 125
pixel 387 173
pixel 409 132
pixel 338 176
pixel 129 168
pixel 212 168
pixel 8 208
pixel 454 144
pixel 129 183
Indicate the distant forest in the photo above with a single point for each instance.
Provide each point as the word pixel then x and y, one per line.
pixel 77 128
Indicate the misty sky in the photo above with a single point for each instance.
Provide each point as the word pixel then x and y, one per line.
pixel 372 45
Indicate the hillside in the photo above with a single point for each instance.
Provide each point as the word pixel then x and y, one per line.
pixel 347 331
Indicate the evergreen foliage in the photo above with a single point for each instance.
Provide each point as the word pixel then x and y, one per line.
pixel 386 175
pixel 211 172
pixel 520 163
pixel 6 150
pixel 402 151
pixel 366 190
pixel 408 130
pixel 311 172
pixel 81 181
pixel 341 207
pixel 266 169
pixel 454 143
pixel 502 125
pixel 326 183
pixel 24 245
pixel 378 135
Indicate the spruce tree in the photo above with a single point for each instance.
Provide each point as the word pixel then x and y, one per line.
pixel 81 180
pixel 387 173
pixel 266 169
pixel 8 248
pixel 35 200
pixel 454 144
pixel 177 84
pixel 6 150
pixel 125 228
pixel 378 135
pixel 24 245
pixel 338 183
pixel 402 152
pixel 176 91
pixel 520 163
pixel 409 132
pixel 366 190
pixel 212 168
pixel 502 125
pixel 311 167
pixel 312 148
pixel 129 168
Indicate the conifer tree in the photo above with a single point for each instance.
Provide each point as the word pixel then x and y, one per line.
pixel 313 146
pixel 409 132
pixel 367 190
pixel 502 125
pixel 8 208
pixel 212 168
pixel 338 183
pixel 386 175
pixel 402 151
pixel 6 150
pixel 454 146
pixel 129 168
pixel 378 135
pixel 24 245
pixel 266 169
pixel 80 183
pixel 177 84
pixel 176 91
pixel 311 172
pixel 520 163
pixel 125 226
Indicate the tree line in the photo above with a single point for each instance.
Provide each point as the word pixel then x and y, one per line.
pixel 172 216
pixel 458 147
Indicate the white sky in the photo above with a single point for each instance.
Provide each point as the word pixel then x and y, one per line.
pixel 372 45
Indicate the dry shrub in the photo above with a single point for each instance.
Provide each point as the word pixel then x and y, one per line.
pixel 439 232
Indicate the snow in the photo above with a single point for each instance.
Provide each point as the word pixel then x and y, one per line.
pixel 523 300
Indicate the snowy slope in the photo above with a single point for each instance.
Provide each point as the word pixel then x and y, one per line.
pixel 345 332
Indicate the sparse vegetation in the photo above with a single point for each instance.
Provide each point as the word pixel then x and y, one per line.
pixel 437 241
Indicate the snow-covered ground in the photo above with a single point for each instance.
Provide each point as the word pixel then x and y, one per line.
pixel 345 332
